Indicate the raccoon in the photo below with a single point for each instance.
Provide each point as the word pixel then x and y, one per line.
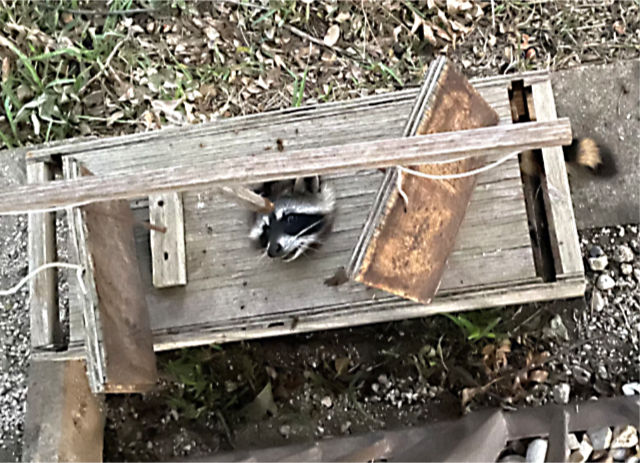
pixel 302 216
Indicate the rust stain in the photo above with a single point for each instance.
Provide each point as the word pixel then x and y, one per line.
pixel 409 249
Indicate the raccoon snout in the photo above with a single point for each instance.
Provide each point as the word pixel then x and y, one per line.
pixel 274 250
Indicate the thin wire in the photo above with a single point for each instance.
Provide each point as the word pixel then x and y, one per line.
pixel 78 268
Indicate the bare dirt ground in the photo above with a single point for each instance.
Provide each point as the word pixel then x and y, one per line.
pixel 69 69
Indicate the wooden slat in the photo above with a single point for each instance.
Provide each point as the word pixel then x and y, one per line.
pixel 119 347
pixel 555 183
pixel 261 167
pixel 43 288
pixel 64 421
pixel 168 260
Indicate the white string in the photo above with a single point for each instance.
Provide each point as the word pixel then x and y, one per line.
pixel 469 173
pixel 50 209
pixel 78 268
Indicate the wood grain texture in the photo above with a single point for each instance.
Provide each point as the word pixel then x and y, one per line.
pixel 260 167
pixel 64 421
pixel 404 246
pixel 43 288
pixel 168 256
pixel 117 333
pixel 557 195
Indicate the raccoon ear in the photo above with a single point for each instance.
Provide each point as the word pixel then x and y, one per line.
pixel 298 186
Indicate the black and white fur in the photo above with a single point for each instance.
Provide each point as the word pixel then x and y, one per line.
pixel 302 217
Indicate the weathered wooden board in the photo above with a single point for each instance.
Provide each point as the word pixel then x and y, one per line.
pixel 232 294
pixel 407 239
pixel 168 259
pixel 64 421
pixel 43 288
pixel 258 166
pixel 564 234
pixel 117 333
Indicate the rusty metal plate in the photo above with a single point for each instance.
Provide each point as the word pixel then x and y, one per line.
pixel 404 248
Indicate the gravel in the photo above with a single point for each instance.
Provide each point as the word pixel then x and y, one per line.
pixel 605 282
pixel 561 393
pixel 14 323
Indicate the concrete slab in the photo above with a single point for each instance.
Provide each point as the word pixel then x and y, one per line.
pixel 603 102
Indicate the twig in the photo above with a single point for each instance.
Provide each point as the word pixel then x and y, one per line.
pixel 319 42
pixel 106 13
pixel 103 68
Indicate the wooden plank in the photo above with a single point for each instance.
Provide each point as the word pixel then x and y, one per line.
pixel 43 288
pixel 168 260
pixel 407 240
pixel 564 234
pixel 261 167
pixel 119 346
pixel 63 421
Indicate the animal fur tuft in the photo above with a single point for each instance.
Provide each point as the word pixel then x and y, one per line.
pixel 588 154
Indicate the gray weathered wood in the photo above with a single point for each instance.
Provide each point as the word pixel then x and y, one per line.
pixel 64 421
pixel 260 167
pixel 43 288
pixel 168 260
pixel 555 184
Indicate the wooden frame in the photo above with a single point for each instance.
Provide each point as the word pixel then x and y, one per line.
pixel 211 223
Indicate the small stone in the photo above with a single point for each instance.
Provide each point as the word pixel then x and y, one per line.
pixel 602 372
pixel 582 453
pixel 537 451
pixel 326 401
pixel 624 437
pixel 598 302
pixel 605 282
pixel 383 380
pixel 623 253
pixel 375 387
pixel 626 269
pixel 556 329
pixel 285 431
pixel 582 375
pixel 573 442
pixel 596 251
pixel 561 393
pixel 598 264
pixel 618 454
pixel 600 438
pixel 631 388
pixel 345 427
pixel 636 274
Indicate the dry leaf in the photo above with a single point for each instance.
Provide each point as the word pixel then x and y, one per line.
pixel 332 36
pixel 619 28
pixel 456 6
pixel 114 117
pixel 538 376
pixel 6 68
pixel 428 34
pixel 341 364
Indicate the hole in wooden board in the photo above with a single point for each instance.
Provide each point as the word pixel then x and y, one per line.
pixel 166 256
pixel 161 203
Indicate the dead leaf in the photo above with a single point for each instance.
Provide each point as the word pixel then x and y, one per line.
pixel 619 28
pixel 261 405
pixel 468 393
pixel 332 36
pixel 341 364
pixel 456 6
pixel 114 117
pixel 6 68
pixel 538 376
pixel 428 34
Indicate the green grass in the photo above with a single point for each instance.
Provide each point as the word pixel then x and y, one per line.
pixel 477 325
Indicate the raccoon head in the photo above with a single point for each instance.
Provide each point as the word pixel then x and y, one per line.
pixel 300 220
